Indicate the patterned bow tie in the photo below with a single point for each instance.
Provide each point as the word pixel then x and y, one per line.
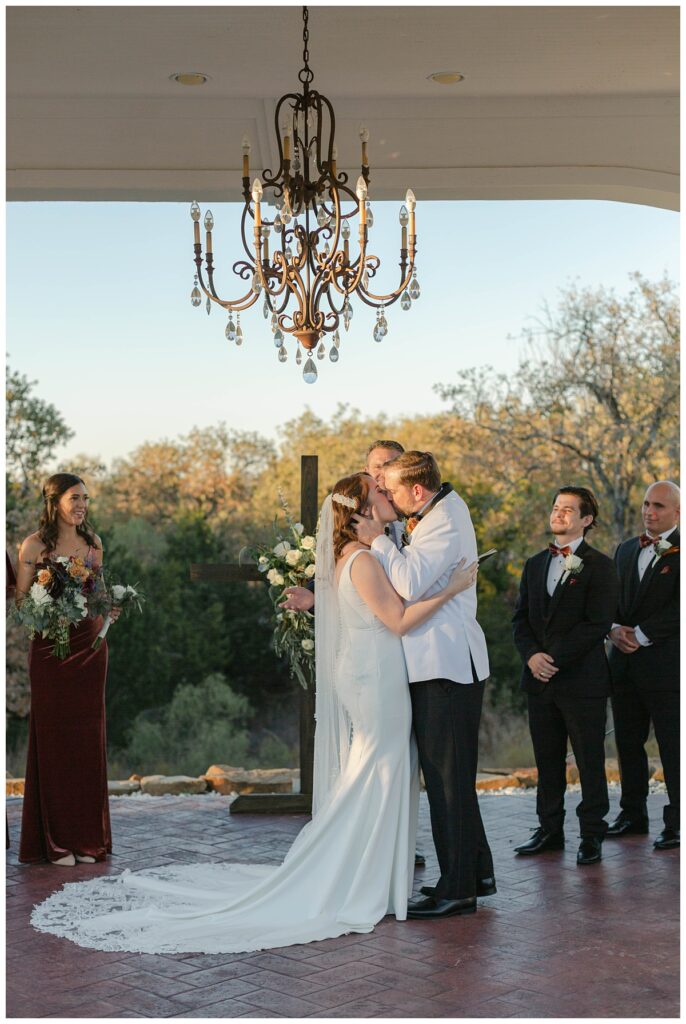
pixel 645 540
pixel 411 523
pixel 554 550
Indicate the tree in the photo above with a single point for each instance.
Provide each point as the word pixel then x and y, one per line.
pixel 594 401
pixel 34 431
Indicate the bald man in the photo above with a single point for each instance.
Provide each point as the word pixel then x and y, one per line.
pixel 644 663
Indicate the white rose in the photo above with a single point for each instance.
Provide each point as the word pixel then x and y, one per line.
pixel 293 557
pixel 307 645
pixel 275 577
pixel 263 560
pixel 299 528
pixel 310 570
pixel 40 595
pixel 118 592
pixel 308 543
pixel 281 548
pixel 80 602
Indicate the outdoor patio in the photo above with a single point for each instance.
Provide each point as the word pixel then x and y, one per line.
pixel 556 941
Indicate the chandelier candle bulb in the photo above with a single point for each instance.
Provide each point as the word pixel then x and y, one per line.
pixel 196 232
pixel 334 161
pixel 364 138
pixel 245 145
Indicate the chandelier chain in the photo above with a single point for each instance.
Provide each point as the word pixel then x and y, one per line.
pixel 306 74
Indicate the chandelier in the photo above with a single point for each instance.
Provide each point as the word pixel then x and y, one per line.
pixel 308 279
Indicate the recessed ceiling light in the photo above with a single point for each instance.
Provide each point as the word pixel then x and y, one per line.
pixel 190 78
pixel 446 77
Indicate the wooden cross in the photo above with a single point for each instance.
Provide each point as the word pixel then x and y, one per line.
pixel 223 572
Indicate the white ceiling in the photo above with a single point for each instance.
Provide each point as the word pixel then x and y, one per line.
pixel 557 102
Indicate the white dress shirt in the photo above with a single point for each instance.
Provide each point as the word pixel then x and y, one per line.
pixel 557 564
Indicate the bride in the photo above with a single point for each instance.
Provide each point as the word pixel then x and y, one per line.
pixel 353 863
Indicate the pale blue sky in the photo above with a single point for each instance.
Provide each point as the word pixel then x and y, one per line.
pixel 99 311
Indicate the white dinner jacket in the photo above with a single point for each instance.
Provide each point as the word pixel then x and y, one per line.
pixel 440 648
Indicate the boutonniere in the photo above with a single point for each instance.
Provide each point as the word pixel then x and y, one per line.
pixel 662 547
pixel 410 524
pixel 573 566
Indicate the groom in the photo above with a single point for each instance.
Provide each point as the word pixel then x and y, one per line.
pixel 447 663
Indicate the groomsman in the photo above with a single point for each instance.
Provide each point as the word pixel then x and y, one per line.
pixel 566 606
pixel 644 662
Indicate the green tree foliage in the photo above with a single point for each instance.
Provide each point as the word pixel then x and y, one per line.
pixel 34 431
pixel 202 724
pixel 595 400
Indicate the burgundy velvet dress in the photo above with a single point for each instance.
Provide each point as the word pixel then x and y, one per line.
pixel 65 800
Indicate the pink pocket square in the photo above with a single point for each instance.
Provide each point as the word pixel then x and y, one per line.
pixel 667 568
pixel 573 582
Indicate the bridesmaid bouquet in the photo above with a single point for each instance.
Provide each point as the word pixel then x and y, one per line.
pixel 66 591
pixel 121 596
pixel 289 562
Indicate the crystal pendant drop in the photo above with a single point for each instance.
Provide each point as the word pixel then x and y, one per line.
pixel 383 323
pixel 333 354
pixel 283 354
pixel 278 338
pixel 403 216
pixel 345 230
pixel 321 351
pixel 321 217
pixel 405 300
pixel 288 253
pixel 296 164
pixel 265 308
pixel 286 215
pixel 209 221
pixel 196 297
pixel 239 332
pixel 195 211
pixel 365 281
pixel 378 333
pixel 256 283
pixel 336 338
pixel 277 222
pixel 208 306
pixel 230 331
pixel 309 371
pixel 347 309
pixel 266 230
pixel 298 356
pixel 414 289
pixel 275 321
pixel 370 216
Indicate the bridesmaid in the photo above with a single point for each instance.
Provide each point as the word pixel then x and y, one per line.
pixel 66 811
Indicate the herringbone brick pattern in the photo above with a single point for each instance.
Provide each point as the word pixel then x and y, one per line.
pixel 556 941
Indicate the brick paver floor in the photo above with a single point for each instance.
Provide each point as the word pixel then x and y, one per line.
pixel 556 941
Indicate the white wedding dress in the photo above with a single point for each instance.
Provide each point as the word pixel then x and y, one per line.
pixel 351 865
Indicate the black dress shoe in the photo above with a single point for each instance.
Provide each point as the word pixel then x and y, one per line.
pixel 540 842
pixel 590 850
pixel 668 839
pixel 484 887
pixel 425 907
pixel 419 860
pixel 623 825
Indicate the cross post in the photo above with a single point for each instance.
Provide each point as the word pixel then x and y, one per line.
pixel 224 572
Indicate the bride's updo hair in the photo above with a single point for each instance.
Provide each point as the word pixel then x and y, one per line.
pixel 355 489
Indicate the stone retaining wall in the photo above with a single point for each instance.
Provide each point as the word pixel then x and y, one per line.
pixel 227 780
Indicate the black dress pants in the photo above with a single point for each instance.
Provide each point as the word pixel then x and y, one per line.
pixel 446 717
pixel 633 710
pixel 553 718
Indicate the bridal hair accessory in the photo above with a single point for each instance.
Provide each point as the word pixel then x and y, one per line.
pixel 343 499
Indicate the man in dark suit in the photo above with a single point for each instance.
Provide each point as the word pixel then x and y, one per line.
pixel 566 605
pixel 644 662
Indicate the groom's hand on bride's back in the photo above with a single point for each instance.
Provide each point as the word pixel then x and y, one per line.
pixel 297 599
pixel 368 528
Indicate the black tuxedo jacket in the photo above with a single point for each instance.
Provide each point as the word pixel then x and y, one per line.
pixel 570 626
pixel 653 604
